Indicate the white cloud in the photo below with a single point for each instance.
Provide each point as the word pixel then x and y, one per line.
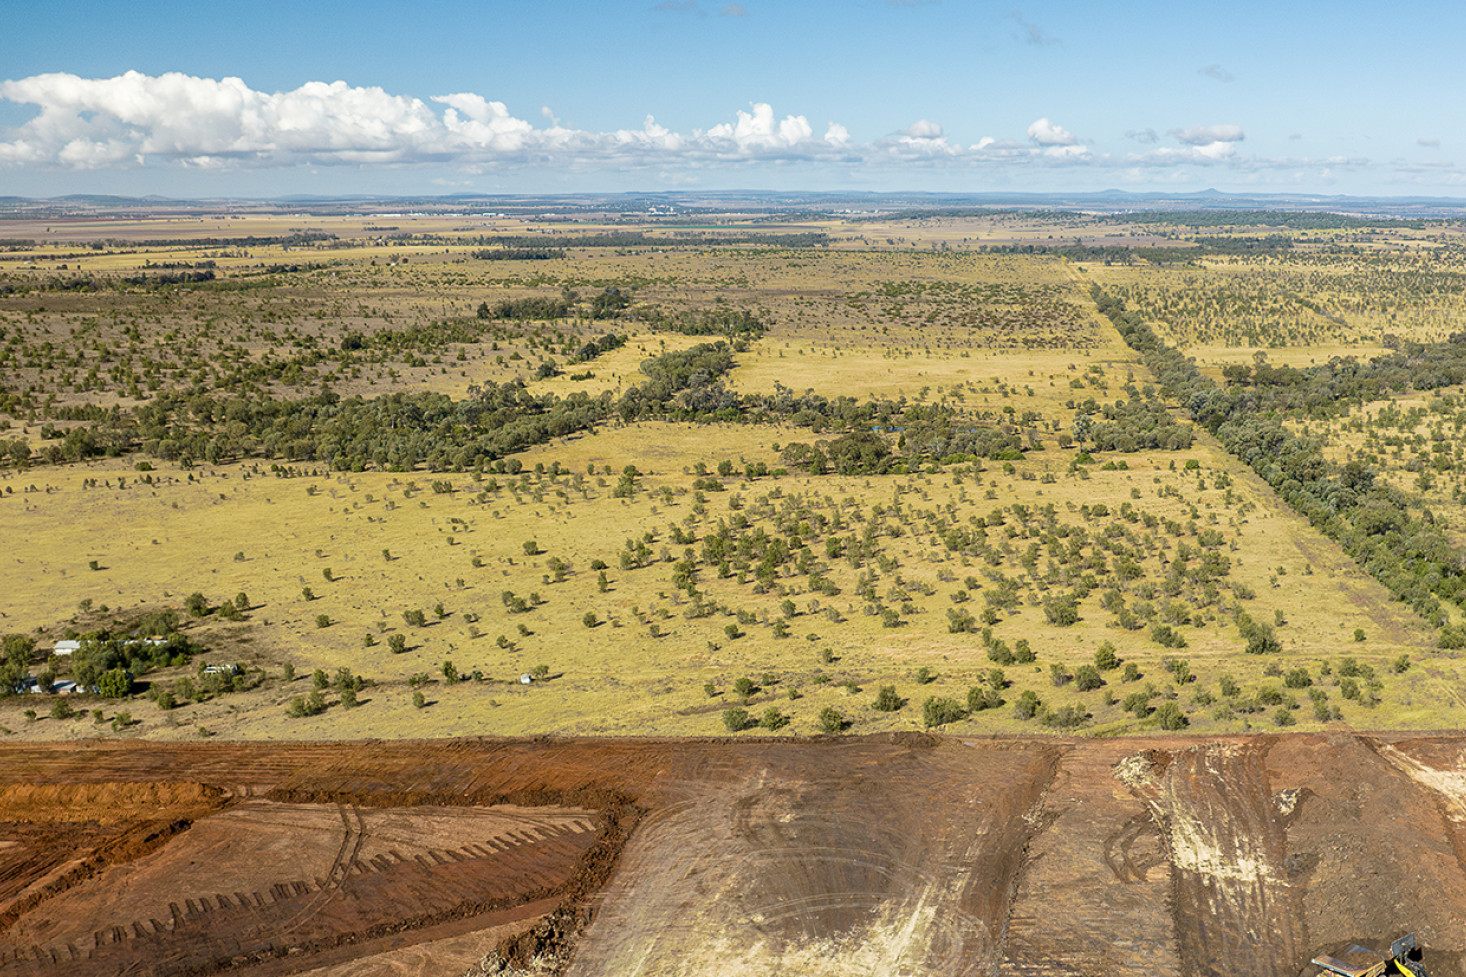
pixel 923 129
pixel 1218 72
pixel 136 121
pixel 734 10
pixel 1045 133
pixel 1206 135
pixel 756 131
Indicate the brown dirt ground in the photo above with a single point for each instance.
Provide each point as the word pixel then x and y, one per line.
pixel 894 855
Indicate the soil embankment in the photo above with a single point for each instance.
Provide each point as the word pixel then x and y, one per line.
pixel 890 855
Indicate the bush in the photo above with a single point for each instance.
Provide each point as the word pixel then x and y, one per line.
pixel 397 643
pixel 306 705
pixel 1166 636
pixel 887 700
pixel 1298 678
pixel 418 699
pixel 940 711
pixel 773 719
pixel 830 721
pixel 925 676
pixel 1066 718
pixel 323 620
pixel 1105 658
pixel 589 619
pixel 1061 611
pixel 1171 717
pixel 736 719
pixel 1027 705
pixel 1087 678
pixel 979 698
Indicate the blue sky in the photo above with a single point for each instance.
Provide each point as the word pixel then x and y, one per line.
pixel 436 97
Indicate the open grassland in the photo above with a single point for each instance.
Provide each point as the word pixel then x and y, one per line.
pixel 898 564
pixel 685 567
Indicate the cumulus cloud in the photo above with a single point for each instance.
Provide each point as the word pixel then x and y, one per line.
pixel 137 121
pixel 923 129
pixel 1217 72
pixel 1045 133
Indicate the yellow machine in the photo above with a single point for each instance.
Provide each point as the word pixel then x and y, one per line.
pixel 1403 958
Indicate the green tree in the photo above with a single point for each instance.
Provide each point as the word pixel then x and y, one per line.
pixel 115 684
pixel 887 700
pixel 830 721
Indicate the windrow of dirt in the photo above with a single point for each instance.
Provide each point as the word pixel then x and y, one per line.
pixel 891 855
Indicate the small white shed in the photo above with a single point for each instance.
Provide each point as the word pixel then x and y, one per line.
pixel 66 648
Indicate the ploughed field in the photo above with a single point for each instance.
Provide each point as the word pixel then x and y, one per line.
pixel 900 854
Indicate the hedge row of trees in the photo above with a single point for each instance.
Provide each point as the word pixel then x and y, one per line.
pixel 1375 523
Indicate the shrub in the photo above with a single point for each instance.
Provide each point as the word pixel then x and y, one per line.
pixel 1298 678
pixel 887 700
pixel 1066 718
pixel 323 620
pixel 418 699
pixel 924 676
pixel 1105 658
pixel 589 619
pixel 830 721
pixel 941 711
pixel 306 705
pixel 735 719
pixel 1027 705
pixel 397 643
pixel 1087 678
pixel 1166 636
pixel 1061 611
pixel 1171 717
pixel 773 719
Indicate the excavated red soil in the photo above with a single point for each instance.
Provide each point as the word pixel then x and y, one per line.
pixel 892 855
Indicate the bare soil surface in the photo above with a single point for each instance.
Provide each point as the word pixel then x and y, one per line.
pixel 889 855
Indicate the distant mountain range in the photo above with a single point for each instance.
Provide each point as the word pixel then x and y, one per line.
pixel 753 202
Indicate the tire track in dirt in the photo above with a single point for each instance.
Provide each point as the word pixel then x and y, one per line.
pixel 829 859
pixel 1232 907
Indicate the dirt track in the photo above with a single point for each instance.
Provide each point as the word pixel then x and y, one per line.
pixel 882 856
